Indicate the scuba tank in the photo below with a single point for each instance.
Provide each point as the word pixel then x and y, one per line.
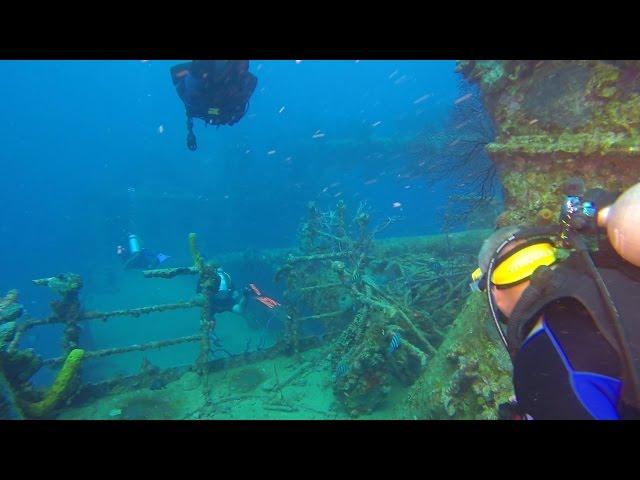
pixel 134 244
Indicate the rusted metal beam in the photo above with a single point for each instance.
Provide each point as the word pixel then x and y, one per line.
pixel 136 312
pixel 313 258
pixel 321 316
pixel 131 348
pixel 131 312
pixel 170 272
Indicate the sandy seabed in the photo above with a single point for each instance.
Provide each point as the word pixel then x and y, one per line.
pixel 248 392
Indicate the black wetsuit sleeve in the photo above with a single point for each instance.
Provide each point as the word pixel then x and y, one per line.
pixel 542 382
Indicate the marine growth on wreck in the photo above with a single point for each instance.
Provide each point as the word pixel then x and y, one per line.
pixel 365 325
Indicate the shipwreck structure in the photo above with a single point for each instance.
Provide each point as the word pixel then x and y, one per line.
pixel 554 120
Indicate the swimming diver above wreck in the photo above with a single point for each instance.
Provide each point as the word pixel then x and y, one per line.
pixel 216 91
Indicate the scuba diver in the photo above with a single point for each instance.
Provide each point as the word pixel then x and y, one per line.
pixel 226 298
pixel 216 91
pixel 573 328
pixel 136 257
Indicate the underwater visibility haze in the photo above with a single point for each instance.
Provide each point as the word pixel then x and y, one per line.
pixel 295 243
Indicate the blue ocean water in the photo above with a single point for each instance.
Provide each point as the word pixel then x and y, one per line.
pixel 78 134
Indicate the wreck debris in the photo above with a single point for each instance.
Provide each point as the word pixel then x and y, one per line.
pixel 366 293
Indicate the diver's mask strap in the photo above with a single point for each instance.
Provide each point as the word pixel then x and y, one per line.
pixel 541 280
pixel 490 299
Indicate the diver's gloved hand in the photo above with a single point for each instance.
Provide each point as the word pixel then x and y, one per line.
pixel 191 142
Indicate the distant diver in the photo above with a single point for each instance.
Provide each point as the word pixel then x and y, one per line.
pixel 216 91
pixel 571 310
pixel 136 257
pixel 226 298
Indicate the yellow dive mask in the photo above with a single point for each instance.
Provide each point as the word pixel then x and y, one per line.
pixel 517 265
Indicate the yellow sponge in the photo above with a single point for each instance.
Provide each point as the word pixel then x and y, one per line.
pixel 60 388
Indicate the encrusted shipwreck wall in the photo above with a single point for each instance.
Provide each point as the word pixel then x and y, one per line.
pixel 555 120
pixel 469 376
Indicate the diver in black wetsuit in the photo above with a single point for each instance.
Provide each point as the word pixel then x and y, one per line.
pixel 137 257
pixel 216 91
pixel 570 359
pixel 226 298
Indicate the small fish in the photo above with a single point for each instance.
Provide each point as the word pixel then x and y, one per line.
pixel 281 109
pixel 157 384
pixel 422 99
pixel 318 134
pixel 436 266
pixel 298 61
pixel 395 72
pixel 397 204
pixel 464 98
pixel 371 182
pixel 394 344
pixel 533 122
pixel 161 129
pixel 271 152
pixel 341 370
pixel 376 123
pixel 337 195
pixel 368 280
